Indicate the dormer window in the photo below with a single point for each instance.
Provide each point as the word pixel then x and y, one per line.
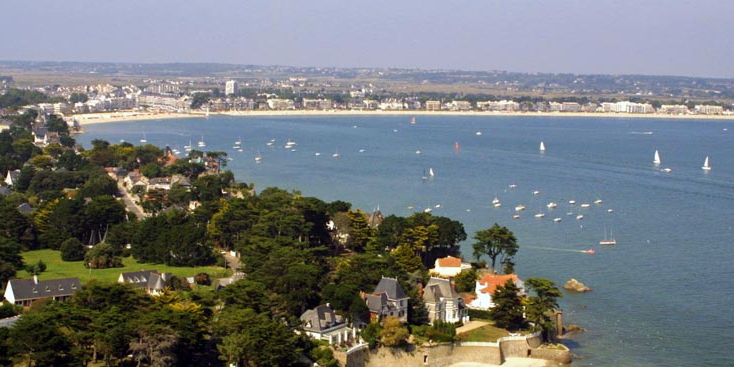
pixel 61 287
pixel 48 289
pixel 73 286
pixel 35 290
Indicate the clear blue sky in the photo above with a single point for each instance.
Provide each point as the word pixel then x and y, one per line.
pixel 671 37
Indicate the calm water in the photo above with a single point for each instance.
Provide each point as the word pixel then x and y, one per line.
pixel 662 296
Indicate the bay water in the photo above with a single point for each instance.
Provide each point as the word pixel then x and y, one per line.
pixel 663 296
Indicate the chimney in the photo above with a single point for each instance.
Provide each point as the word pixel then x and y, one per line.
pixel 35 278
pixel 328 304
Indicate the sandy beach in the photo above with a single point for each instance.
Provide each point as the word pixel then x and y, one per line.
pixel 97 118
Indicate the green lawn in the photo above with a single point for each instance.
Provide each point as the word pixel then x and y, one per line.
pixel 57 268
pixel 487 333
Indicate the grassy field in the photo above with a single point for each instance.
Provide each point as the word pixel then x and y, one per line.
pixel 57 268
pixel 487 333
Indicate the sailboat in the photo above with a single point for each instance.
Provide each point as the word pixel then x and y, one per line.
pixel 656 160
pixel 201 143
pixel 430 172
pixel 144 139
pixel 258 158
pixel 542 147
pixel 706 166
pixel 336 154
pixel 188 147
pixel 412 120
pixel 239 141
pixel 424 177
pixel 456 147
pixel 610 241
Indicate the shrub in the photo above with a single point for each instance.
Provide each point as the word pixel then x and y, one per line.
pixel 371 334
pixel 72 250
pixel 102 256
pixel 203 279
pixel 479 314
pixel 466 280
pixel 36 268
pixel 179 284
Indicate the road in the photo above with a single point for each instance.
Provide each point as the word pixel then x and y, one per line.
pixel 130 203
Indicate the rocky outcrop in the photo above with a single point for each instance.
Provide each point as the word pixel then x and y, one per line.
pixel 575 286
pixel 574 329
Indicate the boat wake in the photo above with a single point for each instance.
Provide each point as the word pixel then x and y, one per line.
pixel 557 249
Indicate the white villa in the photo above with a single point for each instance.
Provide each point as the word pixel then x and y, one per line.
pixel 486 286
pixel 449 267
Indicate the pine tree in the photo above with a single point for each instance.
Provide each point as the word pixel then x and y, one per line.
pixel 508 309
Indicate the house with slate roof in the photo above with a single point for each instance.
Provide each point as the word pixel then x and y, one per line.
pixel 388 299
pixel 151 281
pixel 23 292
pixel 324 324
pixel 443 302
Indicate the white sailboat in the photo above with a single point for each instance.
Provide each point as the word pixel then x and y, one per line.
pixel 656 160
pixel 144 139
pixel 258 157
pixel 609 241
pixel 201 142
pixel 430 172
pixel 188 147
pixel 542 147
pixel 706 166
pixel 239 141
pixel 336 154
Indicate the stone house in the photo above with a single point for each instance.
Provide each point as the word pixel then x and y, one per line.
pixel 323 323
pixel 388 299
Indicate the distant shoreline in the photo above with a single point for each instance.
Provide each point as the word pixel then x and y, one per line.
pixel 97 118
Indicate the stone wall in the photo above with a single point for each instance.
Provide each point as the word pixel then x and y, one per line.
pixel 557 355
pixel 433 356
pixel 514 348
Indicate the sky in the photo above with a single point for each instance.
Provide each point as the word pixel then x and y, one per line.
pixel 657 37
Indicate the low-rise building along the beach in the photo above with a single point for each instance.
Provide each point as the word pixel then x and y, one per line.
pixel 709 110
pixel 674 109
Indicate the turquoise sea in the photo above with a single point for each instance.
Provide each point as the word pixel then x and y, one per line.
pixel 664 296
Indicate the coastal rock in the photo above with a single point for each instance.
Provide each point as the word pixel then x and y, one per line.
pixel 576 286
pixel 574 329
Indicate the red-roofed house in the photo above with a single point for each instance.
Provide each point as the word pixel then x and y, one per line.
pixel 486 286
pixel 449 267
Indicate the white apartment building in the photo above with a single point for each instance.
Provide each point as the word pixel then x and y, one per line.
pixel 231 87
pixel 674 109
pixel 709 110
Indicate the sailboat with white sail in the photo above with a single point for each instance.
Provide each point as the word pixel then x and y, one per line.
pixel 706 165
pixel 542 147
pixel 430 172
pixel 144 139
pixel 201 143
pixel 608 241
pixel 188 147
pixel 656 160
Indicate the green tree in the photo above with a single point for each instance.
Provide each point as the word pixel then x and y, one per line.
pixel 252 339
pixel 151 170
pixel 371 334
pixel 508 308
pixel 10 259
pixel 57 124
pixel 72 250
pixel 37 268
pixel 466 280
pixel 393 333
pixel 360 233
pixel 540 306
pixel 78 97
pixel 495 242
pixel 38 336
pixel 102 256
pixel 199 100
pixel 99 185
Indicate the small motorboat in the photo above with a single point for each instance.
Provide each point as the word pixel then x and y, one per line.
pixel 515 216
pixel 512 186
pixel 590 251
pixel 597 201
pixel 572 202
pixel 585 205
pixel 536 192
pixel 497 205
pixel 557 219
pixel 551 205
pixel 540 215
pixel 580 217
pixel 519 208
